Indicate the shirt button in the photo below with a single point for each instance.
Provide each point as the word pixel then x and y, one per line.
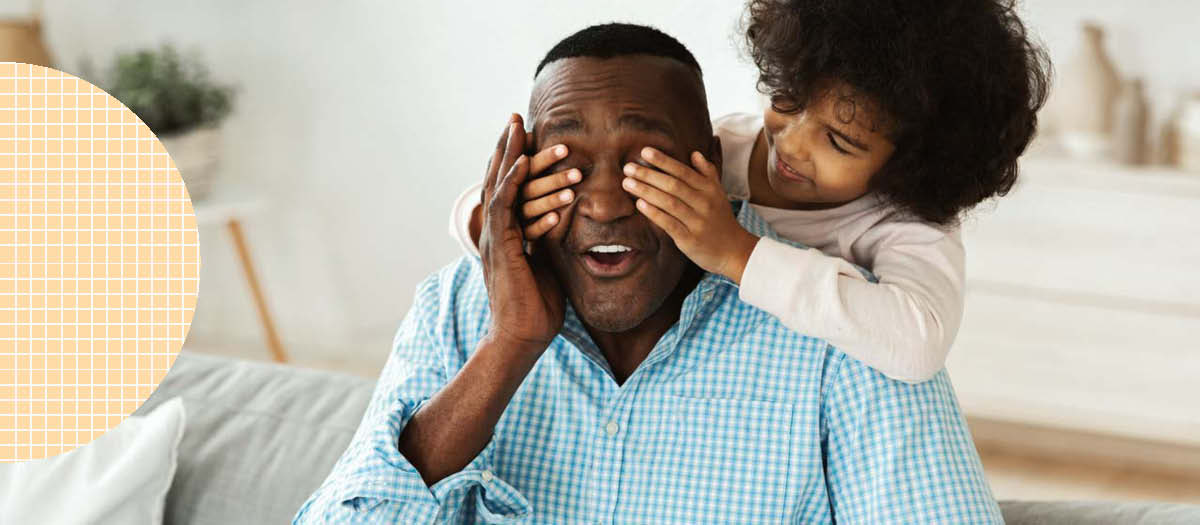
pixel 486 475
pixel 612 428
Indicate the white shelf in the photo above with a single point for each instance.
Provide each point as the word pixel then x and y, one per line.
pixel 1083 302
pixel 1047 170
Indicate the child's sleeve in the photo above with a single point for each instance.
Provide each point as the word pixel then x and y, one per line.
pixel 901 326
pixel 460 218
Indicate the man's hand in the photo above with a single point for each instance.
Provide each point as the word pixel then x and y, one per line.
pixel 527 312
pixel 526 300
pixel 691 206
pixel 540 198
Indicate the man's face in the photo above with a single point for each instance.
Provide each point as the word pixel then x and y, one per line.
pixel 616 267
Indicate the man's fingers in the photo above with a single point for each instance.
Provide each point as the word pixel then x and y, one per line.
pixel 671 166
pixel 506 192
pixel 545 204
pixel 515 146
pixel 511 150
pixel 490 178
pixel 547 184
pixel 538 228
pixel 542 160
pixel 661 200
pixel 662 181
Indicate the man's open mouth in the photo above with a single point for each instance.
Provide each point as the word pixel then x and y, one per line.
pixel 610 260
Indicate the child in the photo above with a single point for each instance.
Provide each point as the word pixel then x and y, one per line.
pixel 888 120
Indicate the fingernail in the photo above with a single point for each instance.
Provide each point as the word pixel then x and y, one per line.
pixel 630 169
pixel 647 153
pixel 565 196
pixel 551 218
pixel 574 176
pixel 629 183
pixel 513 118
pixel 641 204
pixel 560 151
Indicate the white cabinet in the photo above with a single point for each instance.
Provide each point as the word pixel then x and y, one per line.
pixel 1083 302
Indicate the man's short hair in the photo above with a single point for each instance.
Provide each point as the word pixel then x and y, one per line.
pixel 618 39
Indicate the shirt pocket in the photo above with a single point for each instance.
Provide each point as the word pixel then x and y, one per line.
pixel 734 458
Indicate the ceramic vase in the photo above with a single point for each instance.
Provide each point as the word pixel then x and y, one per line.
pixel 1188 139
pixel 1087 90
pixel 1130 114
pixel 195 154
pixel 1168 138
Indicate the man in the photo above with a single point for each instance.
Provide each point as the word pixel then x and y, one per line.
pixel 606 379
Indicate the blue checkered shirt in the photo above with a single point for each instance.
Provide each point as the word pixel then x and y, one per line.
pixel 732 418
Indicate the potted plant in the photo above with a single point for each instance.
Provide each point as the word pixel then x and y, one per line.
pixel 175 98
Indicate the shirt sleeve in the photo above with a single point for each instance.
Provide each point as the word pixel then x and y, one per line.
pixel 460 218
pixel 898 453
pixel 373 482
pixel 902 325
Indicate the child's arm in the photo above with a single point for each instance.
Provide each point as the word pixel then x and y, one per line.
pixel 465 219
pixel 901 326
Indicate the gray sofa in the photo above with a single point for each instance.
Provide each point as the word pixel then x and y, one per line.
pixel 261 437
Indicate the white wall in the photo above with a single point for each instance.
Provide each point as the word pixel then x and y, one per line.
pixel 1152 39
pixel 359 121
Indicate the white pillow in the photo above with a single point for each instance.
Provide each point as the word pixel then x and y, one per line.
pixel 120 477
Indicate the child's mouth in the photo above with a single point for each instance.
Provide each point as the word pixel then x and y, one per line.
pixel 785 170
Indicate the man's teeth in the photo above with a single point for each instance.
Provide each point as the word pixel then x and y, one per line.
pixel 610 248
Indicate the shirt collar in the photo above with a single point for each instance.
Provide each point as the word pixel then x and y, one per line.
pixel 756 224
pixel 711 289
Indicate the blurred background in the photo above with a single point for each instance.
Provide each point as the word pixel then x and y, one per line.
pixel 323 143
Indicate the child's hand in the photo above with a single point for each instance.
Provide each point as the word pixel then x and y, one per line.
pixel 537 199
pixel 690 204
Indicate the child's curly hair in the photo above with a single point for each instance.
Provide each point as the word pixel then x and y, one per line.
pixel 959 82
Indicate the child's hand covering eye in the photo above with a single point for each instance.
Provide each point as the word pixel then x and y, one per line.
pixel 689 203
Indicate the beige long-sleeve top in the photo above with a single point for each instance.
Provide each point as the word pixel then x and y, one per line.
pixel 902 326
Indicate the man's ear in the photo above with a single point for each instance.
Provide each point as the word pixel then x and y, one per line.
pixel 530 140
pixel 715 154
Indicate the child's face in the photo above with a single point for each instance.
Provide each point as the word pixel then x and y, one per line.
pixel 825 153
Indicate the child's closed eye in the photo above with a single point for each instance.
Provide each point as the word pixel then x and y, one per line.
pixel 834 142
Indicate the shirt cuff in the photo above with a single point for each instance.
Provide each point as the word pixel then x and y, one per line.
pixel 776 271
pixel 387 476
pixel 460 218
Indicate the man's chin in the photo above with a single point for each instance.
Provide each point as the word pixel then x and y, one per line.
pixel 613 324
pixel 610 316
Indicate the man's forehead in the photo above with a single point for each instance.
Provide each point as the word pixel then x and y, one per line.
pixel 638 83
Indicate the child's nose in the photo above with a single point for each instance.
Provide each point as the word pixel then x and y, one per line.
pixel 794 141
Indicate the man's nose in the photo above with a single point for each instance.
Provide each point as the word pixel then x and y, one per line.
pixel 600 195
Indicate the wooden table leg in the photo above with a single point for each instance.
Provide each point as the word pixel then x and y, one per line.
pixel 264 315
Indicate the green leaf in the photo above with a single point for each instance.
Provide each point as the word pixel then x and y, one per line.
pixel 167 92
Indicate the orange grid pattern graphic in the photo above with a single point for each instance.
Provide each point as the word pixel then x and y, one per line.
pixel 99 262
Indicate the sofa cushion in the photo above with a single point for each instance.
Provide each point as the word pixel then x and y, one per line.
pixel 259 437
pixel 120 477
pixel 1098 513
